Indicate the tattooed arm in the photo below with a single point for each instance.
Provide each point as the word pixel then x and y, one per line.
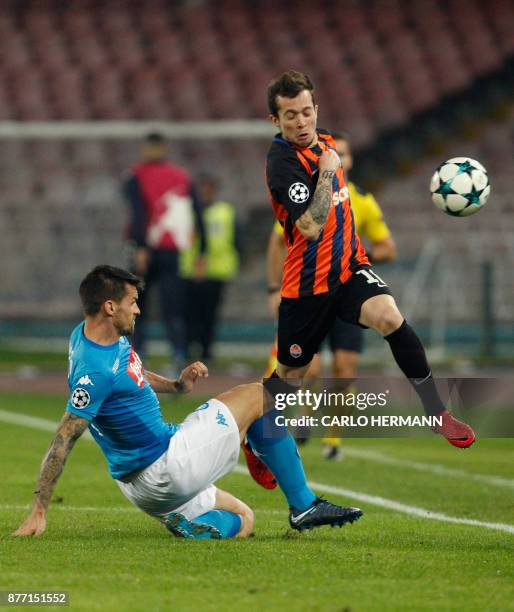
pixel 313 219
pixel 70 429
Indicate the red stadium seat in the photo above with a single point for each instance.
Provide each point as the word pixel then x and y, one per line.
pixel 382 61
pixel 89 53
pixel 15 52
pixel 39 23
pixel 500 15
pixel 113 21
pixel 409 67
pixel 126 53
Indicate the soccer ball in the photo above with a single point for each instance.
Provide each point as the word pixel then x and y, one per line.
pixel 460 187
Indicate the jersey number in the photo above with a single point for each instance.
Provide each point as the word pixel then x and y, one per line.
pixel 371 277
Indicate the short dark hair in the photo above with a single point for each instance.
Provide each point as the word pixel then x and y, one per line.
pixel 105 283
pixel 342 135
pixel 155 138
pixel 288 85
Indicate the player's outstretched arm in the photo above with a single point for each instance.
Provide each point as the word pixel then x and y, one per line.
pixel 313 219
pixel 185 382
pixel 69 431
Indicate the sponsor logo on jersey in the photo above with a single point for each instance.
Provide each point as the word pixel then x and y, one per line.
pixel 135 369
pixel 202 407
pixel 295 350
pixel 298 193
pixel 80 398
pixel 338 197
pixel 85 380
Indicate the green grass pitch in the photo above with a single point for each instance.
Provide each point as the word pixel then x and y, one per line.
pixel 110 556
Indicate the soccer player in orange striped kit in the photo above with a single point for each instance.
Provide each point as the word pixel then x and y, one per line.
pixel 327 273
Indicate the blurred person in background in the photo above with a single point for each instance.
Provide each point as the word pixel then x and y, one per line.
pixel 345 340
pixel 164 214
pixel 206 275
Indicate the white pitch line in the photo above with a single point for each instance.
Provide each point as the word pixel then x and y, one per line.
pixel 25 420
pixel 434 468
pixel 411 510
pixel 372 499
pixel 390 504
pixel 130 509
pixel 70 508
pixel 46 425
pixel 28 421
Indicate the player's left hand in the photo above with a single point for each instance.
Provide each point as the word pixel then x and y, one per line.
pixel 189 376
pixel 34 524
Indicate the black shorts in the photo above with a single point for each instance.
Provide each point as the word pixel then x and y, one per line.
pixel 345 336
pixel 303 323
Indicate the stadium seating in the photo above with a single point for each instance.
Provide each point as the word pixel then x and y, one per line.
pixel 402 56
pixel 377 65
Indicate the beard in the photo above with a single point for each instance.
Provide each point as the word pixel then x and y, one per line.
pixel 125 330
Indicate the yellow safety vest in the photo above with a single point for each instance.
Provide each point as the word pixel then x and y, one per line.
pixel 222 259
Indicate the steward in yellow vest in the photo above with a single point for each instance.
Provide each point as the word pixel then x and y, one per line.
pixel 205 275
pixel 221 258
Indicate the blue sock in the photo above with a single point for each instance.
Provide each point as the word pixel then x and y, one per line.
pixel 227 523
pixel 277 448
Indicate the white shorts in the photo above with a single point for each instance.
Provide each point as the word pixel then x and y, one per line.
pixel 205 448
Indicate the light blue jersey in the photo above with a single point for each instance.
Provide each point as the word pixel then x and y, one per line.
pixel 109 389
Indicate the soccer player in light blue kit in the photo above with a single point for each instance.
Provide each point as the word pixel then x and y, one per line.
pixel 166 470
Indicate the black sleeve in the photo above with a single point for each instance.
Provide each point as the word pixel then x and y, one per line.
pixel 199 224
pixel 289 183
pixel 135 201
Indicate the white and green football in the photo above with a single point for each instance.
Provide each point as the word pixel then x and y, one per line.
pixel 460 186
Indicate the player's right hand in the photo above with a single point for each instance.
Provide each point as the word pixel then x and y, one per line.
pixel 329 160
pixel 190 374
pixel 33 525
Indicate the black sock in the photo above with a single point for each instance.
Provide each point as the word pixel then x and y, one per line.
pixel 410 356
pixel 274 384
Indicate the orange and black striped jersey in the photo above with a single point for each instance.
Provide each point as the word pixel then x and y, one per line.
pixel 311 266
